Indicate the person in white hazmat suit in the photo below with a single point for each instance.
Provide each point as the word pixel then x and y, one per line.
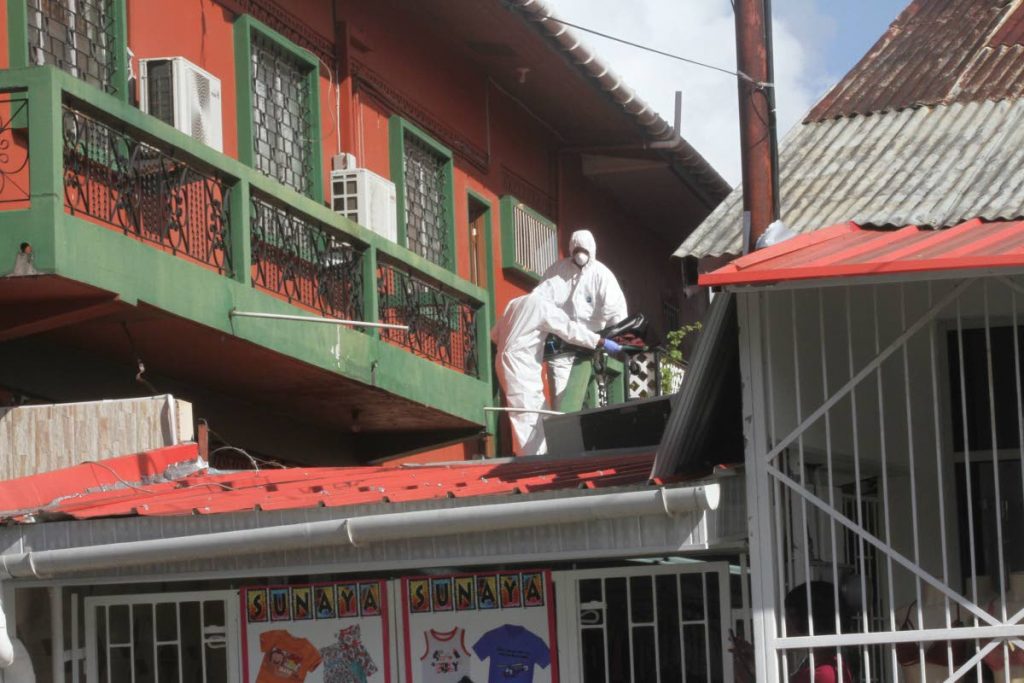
pixel 520 336
pixel 588 292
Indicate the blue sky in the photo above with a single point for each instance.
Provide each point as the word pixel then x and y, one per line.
pixel 816 42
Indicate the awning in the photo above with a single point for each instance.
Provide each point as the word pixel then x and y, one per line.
pixel 848 250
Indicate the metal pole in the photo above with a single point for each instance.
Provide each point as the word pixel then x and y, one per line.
pixel 501 409
pixel 310 319
pixel 757 132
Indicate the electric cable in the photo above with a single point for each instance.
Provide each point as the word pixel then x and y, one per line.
pixel 647 48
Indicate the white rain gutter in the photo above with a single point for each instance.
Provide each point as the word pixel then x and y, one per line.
pixel 357 531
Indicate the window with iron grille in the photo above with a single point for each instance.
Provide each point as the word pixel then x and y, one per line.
pixel 529 241
pixel 422 171
pixel 278 110
pixel 76 36
pixel 282 132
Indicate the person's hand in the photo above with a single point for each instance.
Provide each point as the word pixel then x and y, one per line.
pixel 610 346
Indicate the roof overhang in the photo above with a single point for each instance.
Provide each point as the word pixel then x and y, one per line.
pixel 851 251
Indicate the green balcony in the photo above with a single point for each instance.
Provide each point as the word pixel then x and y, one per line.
pixel 146 241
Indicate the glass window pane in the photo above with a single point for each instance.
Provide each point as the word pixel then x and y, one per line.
pixel 166 622
pixel 120 664
pixel 617 615
pixel 695 653
pixel 590 590
pixel 216 664
pixel 191 642
pixel 167 663
pixel 641 598
pixel 714 626
pixel 645 660
pixel 213 613
pixel 101 641
pixel 120 625
pixel 142 633
pixel 669 646
pixel 592 642
pixel 691 588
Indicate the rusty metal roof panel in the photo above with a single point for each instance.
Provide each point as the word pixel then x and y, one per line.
pixel 937 51
pixel 930 166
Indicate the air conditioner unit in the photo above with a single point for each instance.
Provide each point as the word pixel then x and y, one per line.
pixel 366 198
pixel 179 93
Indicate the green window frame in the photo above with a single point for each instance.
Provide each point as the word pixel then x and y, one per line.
pixel 290 154
pixel 529 240
pixel 419 211
pixel 86 38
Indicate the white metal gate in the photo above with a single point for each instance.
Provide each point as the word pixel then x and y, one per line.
pixel 916 386
pixel 162 638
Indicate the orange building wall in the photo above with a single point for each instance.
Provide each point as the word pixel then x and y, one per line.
pixel 434 77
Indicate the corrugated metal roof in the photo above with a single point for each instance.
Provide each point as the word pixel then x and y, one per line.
pixel 932 166
pixel 121 486
pixel 937 51
pixel 850 250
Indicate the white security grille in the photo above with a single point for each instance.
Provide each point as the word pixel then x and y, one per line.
pixel 886 450
pixel 163 638
pixel 536 240
pixel 651 625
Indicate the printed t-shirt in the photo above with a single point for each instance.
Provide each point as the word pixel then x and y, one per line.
pixel 286 658
pixel 347 661
pixel 513 651
pixel 445 659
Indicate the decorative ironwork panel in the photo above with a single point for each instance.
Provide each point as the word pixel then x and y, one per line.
pixel 282 121
pixel 441 326
pixel 117 179
pixel 307 262
pixel 76 36
pixel 14 166
pixel 426 212
pixel 652 373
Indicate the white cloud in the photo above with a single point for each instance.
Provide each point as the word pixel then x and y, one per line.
pixel 704 30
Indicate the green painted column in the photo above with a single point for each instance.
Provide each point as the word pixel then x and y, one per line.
pixel 483 348
pixel 46 167
pixel 371 293
pixel 240 231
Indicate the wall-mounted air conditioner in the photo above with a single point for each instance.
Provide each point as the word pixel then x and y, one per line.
pixel 364 197
pixel 178 92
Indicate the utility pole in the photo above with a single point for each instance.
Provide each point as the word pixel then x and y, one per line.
pixel 758 141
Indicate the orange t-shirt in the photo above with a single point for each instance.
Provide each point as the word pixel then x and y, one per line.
pixel 286 659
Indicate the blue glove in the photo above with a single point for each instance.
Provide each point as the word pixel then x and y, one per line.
pixel 611 347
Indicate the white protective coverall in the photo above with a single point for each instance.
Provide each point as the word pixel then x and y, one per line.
pixel 590 295
pixel 520 336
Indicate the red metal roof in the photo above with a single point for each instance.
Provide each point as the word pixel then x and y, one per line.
pixel 937 51
pixel 125 486
pixel 848 250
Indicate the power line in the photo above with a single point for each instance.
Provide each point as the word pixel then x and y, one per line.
pixel 639 46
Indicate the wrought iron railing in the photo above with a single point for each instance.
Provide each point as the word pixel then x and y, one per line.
pixel 442 327
pixel 116 178
pixel 307 262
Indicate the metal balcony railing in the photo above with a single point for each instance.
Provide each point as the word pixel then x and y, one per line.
pixel 305 261
pixel 442 326
pixel 116 178
pixel 97 159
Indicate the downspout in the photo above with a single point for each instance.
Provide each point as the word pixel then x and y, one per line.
pixel 357 532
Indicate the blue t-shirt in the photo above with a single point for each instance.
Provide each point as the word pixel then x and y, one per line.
pixel 513 651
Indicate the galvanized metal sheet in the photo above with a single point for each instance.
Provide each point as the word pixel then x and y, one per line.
pixel 932 166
